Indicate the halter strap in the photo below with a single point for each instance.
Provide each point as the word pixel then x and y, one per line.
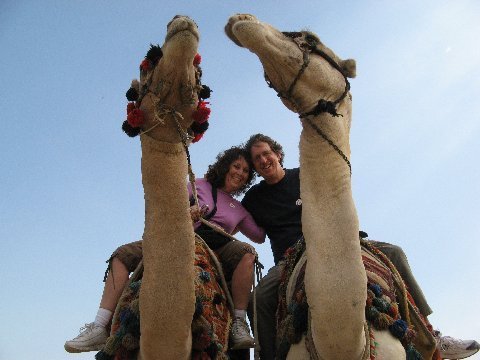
pixel 308 46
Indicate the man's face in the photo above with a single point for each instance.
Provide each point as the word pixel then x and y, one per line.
pixel 267 162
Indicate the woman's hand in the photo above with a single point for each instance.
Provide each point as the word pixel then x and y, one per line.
pixel 196 213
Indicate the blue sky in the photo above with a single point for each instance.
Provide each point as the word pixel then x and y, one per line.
pixel 71 183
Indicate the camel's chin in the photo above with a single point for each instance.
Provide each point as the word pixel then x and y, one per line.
pixel 247 34
pixel 184 27
pixel 187 36
pixel 241 29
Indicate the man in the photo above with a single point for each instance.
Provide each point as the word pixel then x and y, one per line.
pixel 276 206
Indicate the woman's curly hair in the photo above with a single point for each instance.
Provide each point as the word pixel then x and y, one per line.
pixel 217 172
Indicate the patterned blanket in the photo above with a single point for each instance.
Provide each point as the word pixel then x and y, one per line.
pixel 381 308
pixel 211 320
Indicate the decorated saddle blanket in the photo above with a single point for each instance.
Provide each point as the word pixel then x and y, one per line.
pixel 385 290
pixel 211 321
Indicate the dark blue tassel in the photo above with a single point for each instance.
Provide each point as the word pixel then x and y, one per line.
pixel 398 328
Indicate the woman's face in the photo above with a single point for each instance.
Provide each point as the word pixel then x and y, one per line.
pixel 237 175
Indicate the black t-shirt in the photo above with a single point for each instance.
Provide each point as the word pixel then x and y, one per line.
pixel 278 209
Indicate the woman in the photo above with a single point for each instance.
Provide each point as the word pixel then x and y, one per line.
pixel 229 176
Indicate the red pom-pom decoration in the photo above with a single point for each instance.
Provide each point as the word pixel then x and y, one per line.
pixel 202 113
pixel 197 137
pixel 135 118
pixel 130 107
pixel 145 65
pixel 197 60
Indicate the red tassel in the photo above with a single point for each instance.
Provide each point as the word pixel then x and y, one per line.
pixel 145 65
pixel 197 60
pixel 202 113
pixel 197 137
pixel 130 107
pixel 135 118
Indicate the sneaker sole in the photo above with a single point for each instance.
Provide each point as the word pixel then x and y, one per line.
pixel 243 345
pixel 75 350
pixel 463 356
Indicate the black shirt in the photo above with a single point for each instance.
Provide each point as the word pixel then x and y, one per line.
pixel 278 209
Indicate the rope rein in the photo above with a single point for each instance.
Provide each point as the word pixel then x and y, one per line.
pixel 307 46
pixel 330 142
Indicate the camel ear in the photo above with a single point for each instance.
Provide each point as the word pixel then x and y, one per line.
pixel 349 68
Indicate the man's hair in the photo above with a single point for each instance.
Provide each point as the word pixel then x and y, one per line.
pixel 217 172
pixel 275 146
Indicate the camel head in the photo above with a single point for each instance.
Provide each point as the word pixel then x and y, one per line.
pixel 297 64
pixel 166 103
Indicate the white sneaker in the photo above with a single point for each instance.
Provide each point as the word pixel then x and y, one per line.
pixel 451 348
pixel 240 335
pixel 92 338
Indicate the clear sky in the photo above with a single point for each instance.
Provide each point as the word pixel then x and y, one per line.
pixel 71 187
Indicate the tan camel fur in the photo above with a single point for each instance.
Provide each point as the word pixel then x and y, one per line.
pixel 167 298
pixel 335 276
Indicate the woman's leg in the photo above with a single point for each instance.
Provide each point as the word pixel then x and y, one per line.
pixel 242 281
pixel 237 259
pixel 114 284
pixel 92 336
pixel 123 261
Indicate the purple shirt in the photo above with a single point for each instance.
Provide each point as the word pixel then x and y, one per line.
pixel 231 215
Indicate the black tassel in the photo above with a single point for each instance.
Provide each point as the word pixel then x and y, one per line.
pixel 199 128
pixel 129 130
pixel 205 92
pixel 154 54
pixel 132 94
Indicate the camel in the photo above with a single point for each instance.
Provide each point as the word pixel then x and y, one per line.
pixel 177 298
pixel 311 80
pixel 170 98
pixel 164 170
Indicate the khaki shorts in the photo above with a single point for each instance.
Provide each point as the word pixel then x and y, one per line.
pixel 129 254
pixel 229 255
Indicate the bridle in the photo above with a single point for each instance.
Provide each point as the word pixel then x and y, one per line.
pixel 309 44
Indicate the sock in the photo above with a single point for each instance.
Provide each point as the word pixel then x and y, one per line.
pixel 103 317
pixel 242 314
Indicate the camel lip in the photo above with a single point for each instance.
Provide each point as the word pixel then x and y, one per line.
pixel 237 20
pixel 172 34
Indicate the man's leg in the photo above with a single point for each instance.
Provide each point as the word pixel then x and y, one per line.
pixel 399 259
pixel 267 302
pixel 449 347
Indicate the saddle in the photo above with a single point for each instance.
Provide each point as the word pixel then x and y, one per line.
pixel 211 321
pixel 388 306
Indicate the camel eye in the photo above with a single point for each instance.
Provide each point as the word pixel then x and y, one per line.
pixel 292 34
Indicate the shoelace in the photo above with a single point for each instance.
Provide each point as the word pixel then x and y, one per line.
pixel 86 328
pixel 446 342
pixel 239 327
